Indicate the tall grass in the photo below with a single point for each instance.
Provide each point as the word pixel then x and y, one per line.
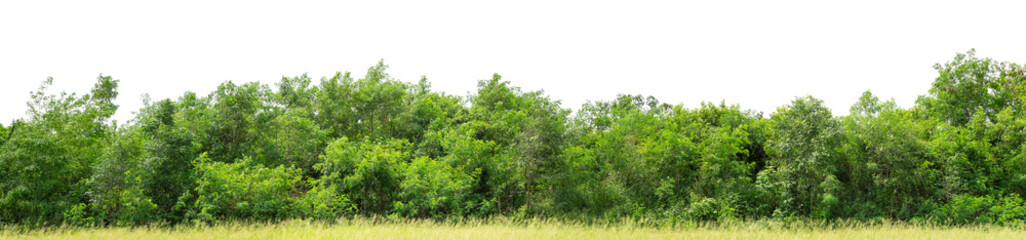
pixel 509 228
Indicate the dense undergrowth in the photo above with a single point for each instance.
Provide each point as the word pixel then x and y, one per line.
pixel 525 228
pixel 345 147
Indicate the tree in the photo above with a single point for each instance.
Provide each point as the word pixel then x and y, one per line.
pixel 366 170
pixel 380 146
pixel 167 164
pixel 296 94
pixel 334 105
pixel 116 188
pixel 427 111
pixel 369 107
pixel 232 132
pixel 244 190
pixel 529 124
pixel 293 140
pixel 969 84
pixel 803 151
pixel 46 162
pixel 378 102
pixel 889 163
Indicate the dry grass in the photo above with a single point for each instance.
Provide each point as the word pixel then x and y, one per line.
pixel 530 229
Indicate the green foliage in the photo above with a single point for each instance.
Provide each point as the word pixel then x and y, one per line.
pixel 635 153
pixel 244 190
pixel 167 162
pixel 529 127
pixel 36 177
pixel 4 133
pixel 78 216
pixel 293 141
pixel 432 188
pixel 888 158
pixel 116 188
pixel 969 85
pixel 45 161
pixel 324 203
pixel 235 110
pixel 707 209
pixel 379 146
pixel 367 170
pixel 478 159
pixel 369 107
pixel 804 151
pixel 1006 210
pixel 428 111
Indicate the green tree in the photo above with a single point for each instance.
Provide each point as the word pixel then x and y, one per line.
pixel 432 188
pixel 116 189
pixel 530 127
pixel 334 105
pixel 366 170
pixel 235 108
pixel 292 140
pixel 804 153
pixel 244 190
pixel 296 94
pixel 167 163
pixel 969 84
pixel 890 169
pixel 46 163
pixel 369 107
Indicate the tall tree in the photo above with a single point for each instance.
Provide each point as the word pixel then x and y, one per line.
pixel 888 162
pixel 232 132
pixel 804 152
pixel 969 84
pixel 45 164
pixel 168 161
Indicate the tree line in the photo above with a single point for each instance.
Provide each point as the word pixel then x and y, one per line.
pixel 341 146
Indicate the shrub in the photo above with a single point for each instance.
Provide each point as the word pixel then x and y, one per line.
pixel 244 190
pixel 324 203
pixel 982 209
pixel 711 209
pixel 116 189
pixel 432 188
pixel 367 171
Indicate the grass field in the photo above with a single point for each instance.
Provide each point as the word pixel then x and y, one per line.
pixel 533 229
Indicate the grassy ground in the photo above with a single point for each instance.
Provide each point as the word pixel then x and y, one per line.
pixel 535 229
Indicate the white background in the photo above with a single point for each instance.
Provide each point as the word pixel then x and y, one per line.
pixel 759 54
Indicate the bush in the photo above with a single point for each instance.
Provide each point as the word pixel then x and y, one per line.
pixel 39 180
pixel 244 190
pixel 706 209
pixel 432 188
pixel 1005 210
pixel 324 203
pixel 116 189
pixel 367 171
pixel 293 141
